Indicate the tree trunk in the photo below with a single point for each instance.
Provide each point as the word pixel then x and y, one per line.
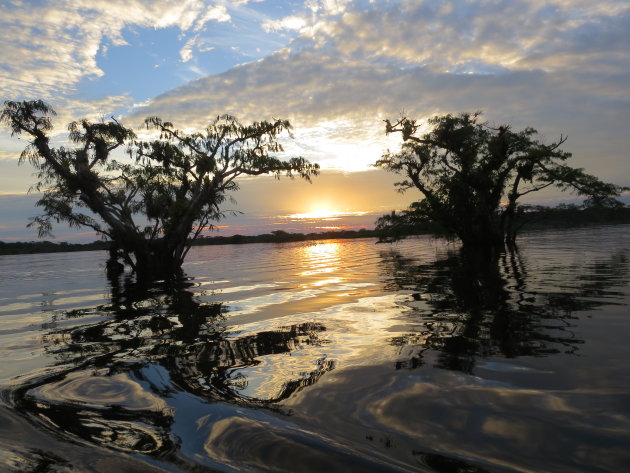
pixel 149 259
pixel 482 233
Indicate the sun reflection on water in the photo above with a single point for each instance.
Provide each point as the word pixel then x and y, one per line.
pixel 321 258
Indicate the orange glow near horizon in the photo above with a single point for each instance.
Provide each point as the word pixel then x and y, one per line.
pixel 323 213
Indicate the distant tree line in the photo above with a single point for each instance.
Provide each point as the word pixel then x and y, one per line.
pixel 28 247
pixel 533 218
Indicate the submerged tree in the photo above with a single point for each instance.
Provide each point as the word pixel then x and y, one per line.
pixel 154 204
pixel 472 176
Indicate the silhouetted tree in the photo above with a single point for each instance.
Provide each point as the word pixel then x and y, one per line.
pixel 155 204
pixel 472 175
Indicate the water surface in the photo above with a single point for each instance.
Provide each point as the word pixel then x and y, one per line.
pixel 330 356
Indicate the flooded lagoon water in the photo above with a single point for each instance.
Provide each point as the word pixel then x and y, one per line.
pixel 339 355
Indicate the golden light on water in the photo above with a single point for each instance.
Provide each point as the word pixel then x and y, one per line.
pixel 321 253
pixel 321 258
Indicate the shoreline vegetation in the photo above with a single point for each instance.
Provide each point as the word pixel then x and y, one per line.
pixel 537 218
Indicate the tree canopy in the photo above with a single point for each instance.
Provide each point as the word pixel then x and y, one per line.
pixel 472 175
pixel 155 201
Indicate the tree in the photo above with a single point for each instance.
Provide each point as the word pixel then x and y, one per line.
pixel 155 203
pixel 472 175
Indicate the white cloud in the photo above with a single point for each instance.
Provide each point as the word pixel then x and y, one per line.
pixel 560 66
pixel 217 13
pixel 73 109
pixel 47 48
pixel 185 53
pixel 194 43
pixel 330 7
pixel 292 22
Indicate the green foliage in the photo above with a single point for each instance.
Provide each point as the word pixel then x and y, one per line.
pixel 159 199
pixel 471 176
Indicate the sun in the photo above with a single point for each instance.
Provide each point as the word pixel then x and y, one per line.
pixel 317 214
pixel 323 211
pixel 318 211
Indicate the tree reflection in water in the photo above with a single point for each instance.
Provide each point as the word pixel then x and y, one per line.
pixel 474 305
pixel 150 342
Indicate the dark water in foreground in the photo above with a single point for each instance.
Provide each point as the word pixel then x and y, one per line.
pixel 321 357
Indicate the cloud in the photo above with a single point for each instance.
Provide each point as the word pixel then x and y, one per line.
pixel 328 7
pixel 505 34
pixel 46 48
pixel 186 52
pixel 287 23
pixel 216 13
pixel 194 43
pixel 561 66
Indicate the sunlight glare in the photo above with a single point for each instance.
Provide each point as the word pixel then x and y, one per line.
pixel 321 258
pixel 324 213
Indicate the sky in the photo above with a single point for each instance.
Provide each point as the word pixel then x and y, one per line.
pixel 336 69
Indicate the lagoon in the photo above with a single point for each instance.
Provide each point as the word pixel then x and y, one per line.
pixel 338 355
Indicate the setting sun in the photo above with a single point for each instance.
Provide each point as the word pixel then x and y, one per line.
pixel 323 212
pixel 320 214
